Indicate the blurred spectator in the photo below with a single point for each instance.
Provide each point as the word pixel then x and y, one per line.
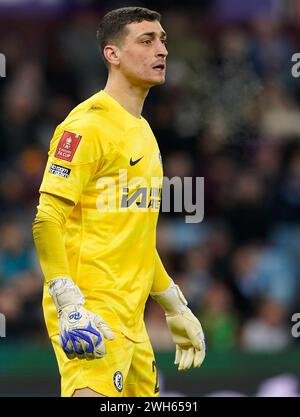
pixel 279 112
pixel 271 48
pixel 85 59
pixel 20 282
pixel 198 264
pixel 267 331
pixel 16 257
pixel 218 318
pixel 264 272
pixel 246 208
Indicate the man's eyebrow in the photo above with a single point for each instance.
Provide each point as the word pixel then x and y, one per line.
pixel 152 34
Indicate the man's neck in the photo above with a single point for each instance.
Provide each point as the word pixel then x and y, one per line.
pixel 127 95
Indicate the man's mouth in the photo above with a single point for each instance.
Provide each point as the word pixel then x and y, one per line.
pixel 159 67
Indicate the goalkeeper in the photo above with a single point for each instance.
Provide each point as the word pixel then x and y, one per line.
pixel 95 229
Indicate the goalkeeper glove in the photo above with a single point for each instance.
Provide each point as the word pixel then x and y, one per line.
pixel 81 331
pixel 186 329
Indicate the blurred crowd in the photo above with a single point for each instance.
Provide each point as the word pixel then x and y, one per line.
pixel 229 112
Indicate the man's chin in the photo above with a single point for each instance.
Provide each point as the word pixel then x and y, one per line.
pixel 157 81
pixel 151 82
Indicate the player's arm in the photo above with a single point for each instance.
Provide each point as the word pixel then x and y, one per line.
pixel 74 157
pixel 185 328
pixel 81 331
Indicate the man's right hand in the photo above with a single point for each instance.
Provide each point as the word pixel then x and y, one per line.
pixel 82 332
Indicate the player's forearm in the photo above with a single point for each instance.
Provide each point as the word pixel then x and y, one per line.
pixel 161 278
pixel 48 234
pixel 48 238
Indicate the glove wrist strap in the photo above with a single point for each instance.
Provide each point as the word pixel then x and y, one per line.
pixel 171 300
pixel 64 293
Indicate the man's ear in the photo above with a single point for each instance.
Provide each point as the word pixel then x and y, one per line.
pixel 112 54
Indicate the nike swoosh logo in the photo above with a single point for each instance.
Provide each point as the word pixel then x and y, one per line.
pixel 136 161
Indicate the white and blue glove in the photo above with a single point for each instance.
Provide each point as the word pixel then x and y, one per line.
pixel 186 330
pixel 82 332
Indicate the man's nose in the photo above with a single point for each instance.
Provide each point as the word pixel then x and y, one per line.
pixel 162 50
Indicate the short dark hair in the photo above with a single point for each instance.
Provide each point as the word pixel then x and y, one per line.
pixel 111 27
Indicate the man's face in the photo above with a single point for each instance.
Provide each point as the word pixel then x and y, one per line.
pixel 143 54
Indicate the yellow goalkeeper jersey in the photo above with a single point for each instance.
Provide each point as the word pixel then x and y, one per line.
pixel 108 163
